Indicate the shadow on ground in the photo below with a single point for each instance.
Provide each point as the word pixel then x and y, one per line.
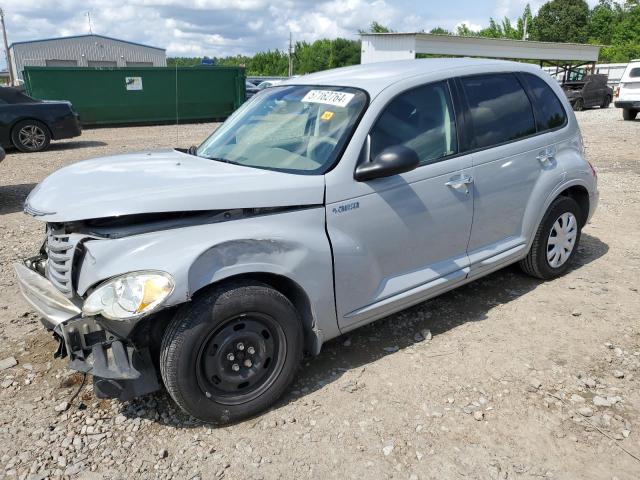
pixel 469 303
pixel 12 197
pixel 61 145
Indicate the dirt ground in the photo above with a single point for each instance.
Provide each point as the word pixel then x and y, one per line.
pixel 520 379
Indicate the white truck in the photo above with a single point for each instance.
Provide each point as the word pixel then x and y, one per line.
pixel 628 92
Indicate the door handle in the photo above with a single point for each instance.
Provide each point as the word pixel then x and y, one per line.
pixel 460 183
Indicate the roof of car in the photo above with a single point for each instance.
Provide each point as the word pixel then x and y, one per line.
pixel 14 95
pixel 374 77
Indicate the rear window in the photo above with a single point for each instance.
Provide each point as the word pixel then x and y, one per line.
pixel 548 108
pixel 634 73
pixel 500 109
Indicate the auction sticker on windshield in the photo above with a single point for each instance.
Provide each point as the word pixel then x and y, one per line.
pixel 328 97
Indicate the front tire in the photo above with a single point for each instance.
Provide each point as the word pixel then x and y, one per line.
pixel 231 353
pixel 30 136
pixel 556 240
pixel 629 114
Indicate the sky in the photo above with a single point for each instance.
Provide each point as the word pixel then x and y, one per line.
pixel 229 27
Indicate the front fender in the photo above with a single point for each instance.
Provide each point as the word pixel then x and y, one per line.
pixel 292 245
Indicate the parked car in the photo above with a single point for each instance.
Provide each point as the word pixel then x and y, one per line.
pixel 628 92
pixel 268 83
pixel 591 91
pixel 30 125
pixel 331 201
pixel 251 89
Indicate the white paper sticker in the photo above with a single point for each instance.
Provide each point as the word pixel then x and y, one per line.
pixel 133 83
pixel 328 97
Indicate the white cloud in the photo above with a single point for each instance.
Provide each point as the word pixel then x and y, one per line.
pixel 470 25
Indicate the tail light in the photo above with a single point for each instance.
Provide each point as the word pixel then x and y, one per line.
pixel 618 91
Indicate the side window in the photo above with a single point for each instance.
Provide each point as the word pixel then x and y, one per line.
pixel 500 109
pixel 421 119
pixel 549 111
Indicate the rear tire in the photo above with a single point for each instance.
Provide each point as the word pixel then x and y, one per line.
pixel 30 136
pixel 231 353
pixel 556 242
pixel 629 114
pixel 606 102
pixel 578 105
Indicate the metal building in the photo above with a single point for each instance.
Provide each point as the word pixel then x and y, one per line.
pixel 84 51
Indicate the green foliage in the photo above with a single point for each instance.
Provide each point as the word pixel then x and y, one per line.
pixel 440 31
pixel 562 21
pixel 376 27
pixel 307 58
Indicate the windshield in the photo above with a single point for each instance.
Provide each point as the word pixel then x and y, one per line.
pixel 296 129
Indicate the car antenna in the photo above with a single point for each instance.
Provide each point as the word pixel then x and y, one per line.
pixel 177 117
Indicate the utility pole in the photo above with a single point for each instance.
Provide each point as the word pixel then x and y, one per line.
pixel 290 55
pixel 524 29
pixel 6 48
pixel 89 20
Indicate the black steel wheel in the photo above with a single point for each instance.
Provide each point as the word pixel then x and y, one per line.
pixel 231 352
pixel 242 358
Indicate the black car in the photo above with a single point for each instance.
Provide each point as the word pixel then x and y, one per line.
pixel 591 91
pixel 30 124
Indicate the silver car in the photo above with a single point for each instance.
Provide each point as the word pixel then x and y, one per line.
pixel 322 204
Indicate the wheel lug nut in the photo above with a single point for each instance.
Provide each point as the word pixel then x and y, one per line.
pixel 247 363
pixel 231 357
pixel 240 346
pixel 235 367
pixel 251 350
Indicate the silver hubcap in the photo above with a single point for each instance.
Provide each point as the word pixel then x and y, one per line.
pixel 562 239
pixel 32 137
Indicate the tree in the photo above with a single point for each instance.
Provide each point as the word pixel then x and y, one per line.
pixel 440 31
pixel 562 21
pixel 376 27
pixel 602 22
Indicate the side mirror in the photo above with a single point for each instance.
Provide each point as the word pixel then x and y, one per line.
pixel 391 161
pixel 193 150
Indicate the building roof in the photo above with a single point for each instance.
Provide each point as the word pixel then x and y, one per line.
pixel 375 77
pixel 389 46
pixel 85 36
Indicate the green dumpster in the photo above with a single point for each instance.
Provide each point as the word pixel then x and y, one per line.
pixel 107 96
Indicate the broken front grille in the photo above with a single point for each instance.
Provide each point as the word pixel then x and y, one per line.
pixel 60 261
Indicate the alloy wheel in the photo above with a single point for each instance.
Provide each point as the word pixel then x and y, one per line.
pixel 562 239
pixel 32 137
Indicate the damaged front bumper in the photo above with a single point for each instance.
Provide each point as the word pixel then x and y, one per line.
pixel 119 368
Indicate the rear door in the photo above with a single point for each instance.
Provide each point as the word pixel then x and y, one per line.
pixel 404 237
pixel 508 161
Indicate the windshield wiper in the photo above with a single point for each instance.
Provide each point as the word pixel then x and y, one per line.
pixel 220 159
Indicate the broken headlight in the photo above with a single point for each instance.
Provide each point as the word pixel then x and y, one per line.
pixel 129 296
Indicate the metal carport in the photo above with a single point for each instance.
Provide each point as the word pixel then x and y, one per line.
pixel 380 47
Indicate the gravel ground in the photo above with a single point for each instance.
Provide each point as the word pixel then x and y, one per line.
pixel 507 377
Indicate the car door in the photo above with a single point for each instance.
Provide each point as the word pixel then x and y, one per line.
pixel 510 159
pixel 406 237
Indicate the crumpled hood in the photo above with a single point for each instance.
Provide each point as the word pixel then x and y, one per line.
pixel 164 181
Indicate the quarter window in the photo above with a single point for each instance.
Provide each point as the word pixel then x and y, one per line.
pixel 549 111
pixel 421 119
pixel 634 73
pixel 500 109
